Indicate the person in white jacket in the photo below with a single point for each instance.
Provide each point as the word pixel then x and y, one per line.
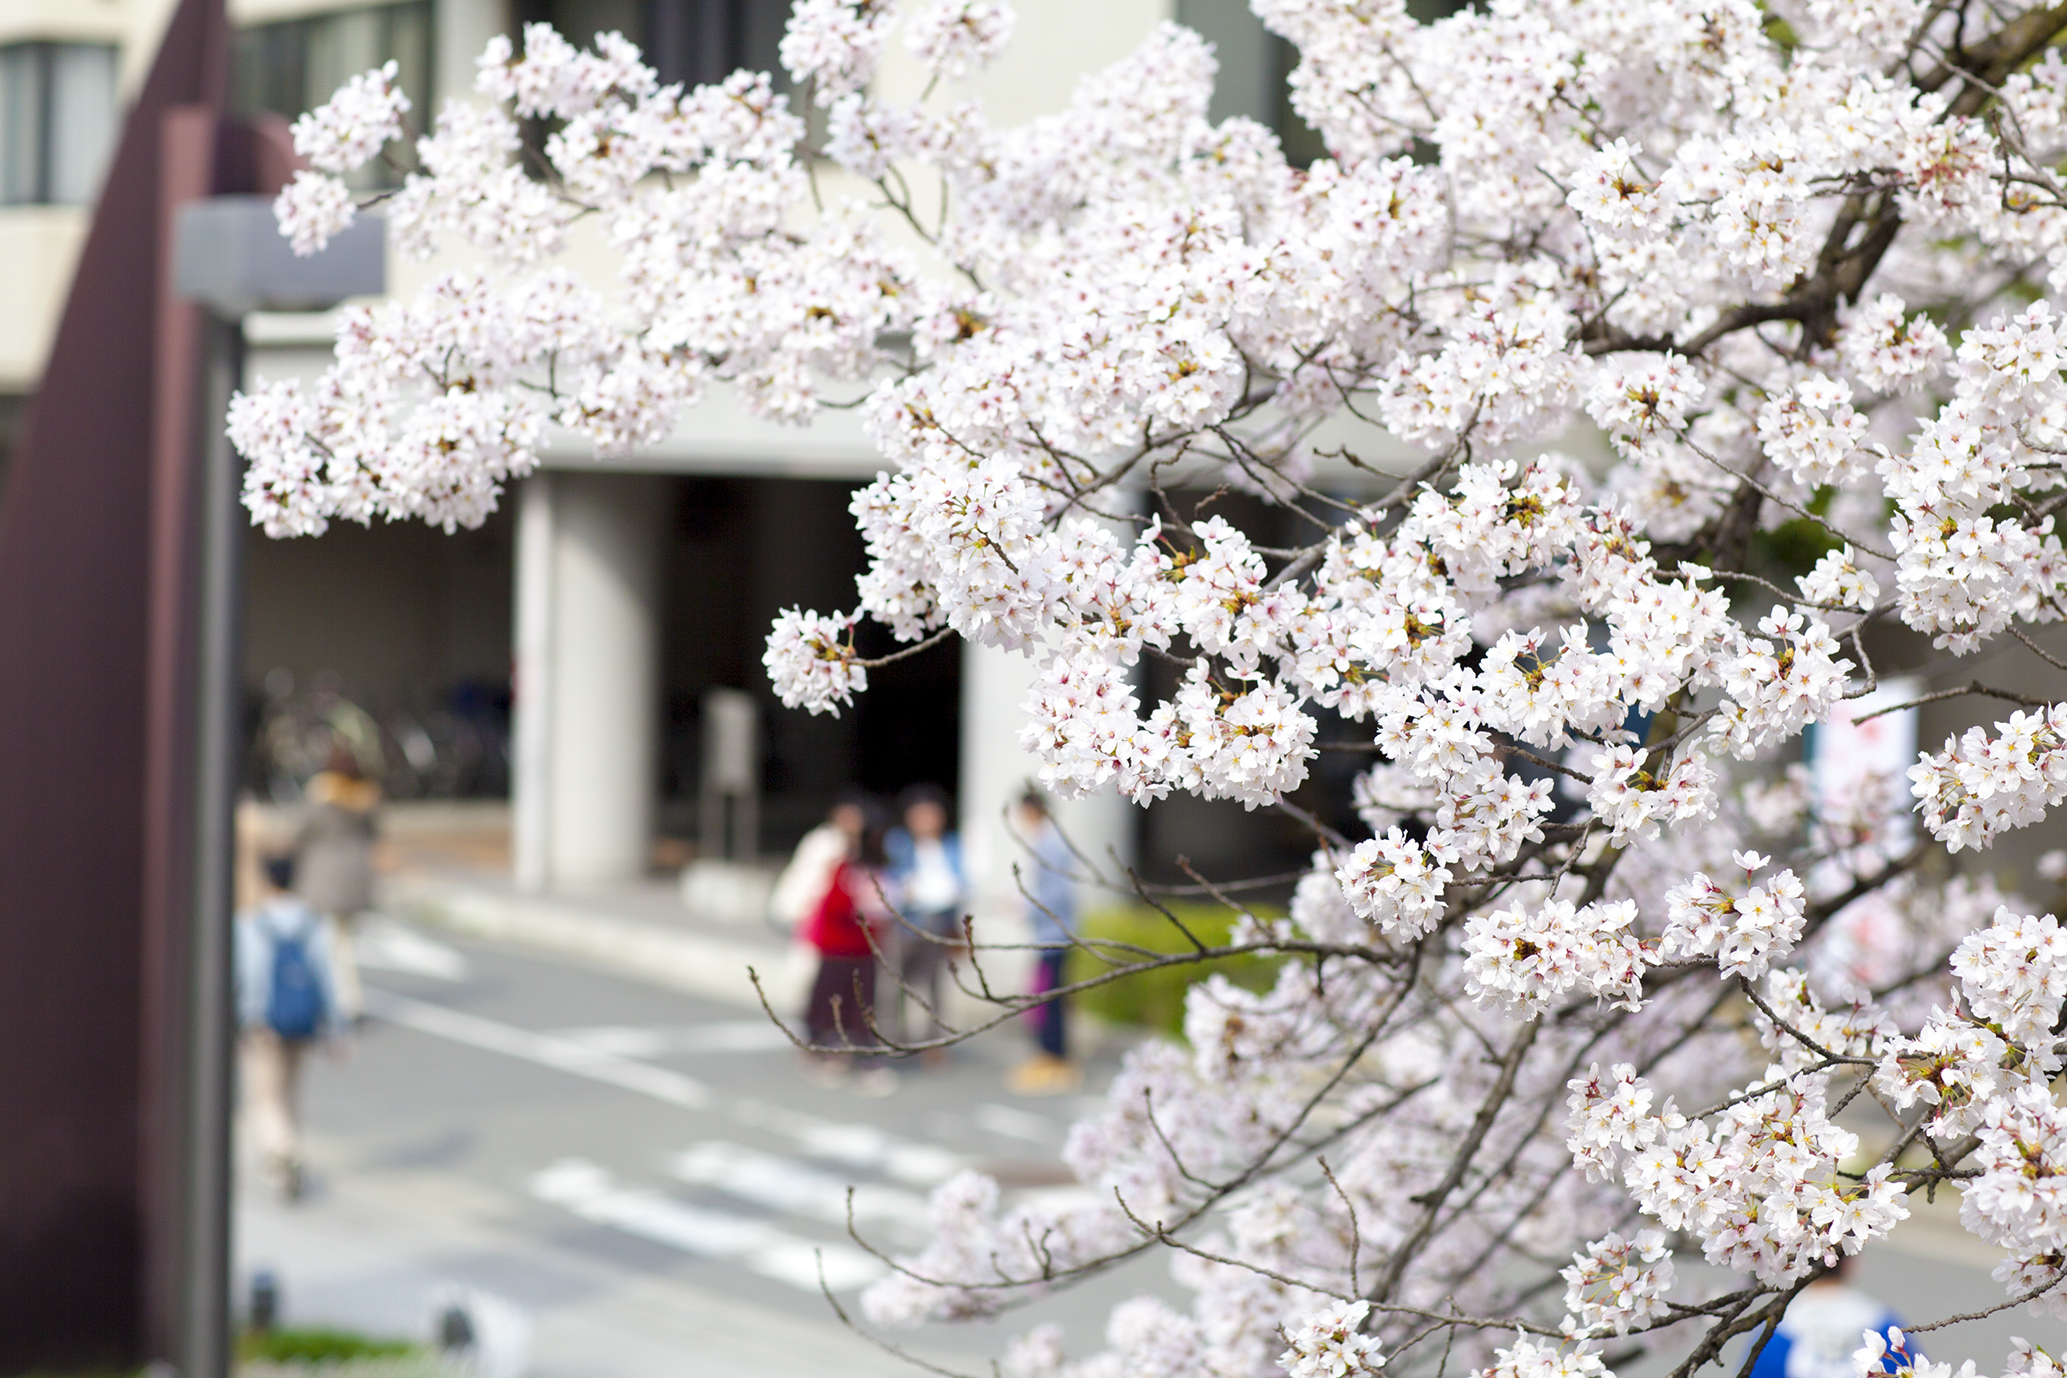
pixel 809 875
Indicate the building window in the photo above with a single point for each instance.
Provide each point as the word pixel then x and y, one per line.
pixel 1255 65
pixel 701 42
pixel 294 66
pixel 686 42
pixel 694 42
pixel 57 122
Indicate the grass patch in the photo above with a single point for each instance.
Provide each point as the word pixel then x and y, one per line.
pixel 316 1346
pixel 1155 999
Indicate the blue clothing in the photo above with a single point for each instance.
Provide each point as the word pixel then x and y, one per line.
pixel 902 852
pixel 1824 1326
pixel 258 932
pixel 1051 1027
pixel 1052 912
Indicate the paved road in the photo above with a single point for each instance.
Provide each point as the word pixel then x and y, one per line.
pixel 644 1175
pixel 643 1181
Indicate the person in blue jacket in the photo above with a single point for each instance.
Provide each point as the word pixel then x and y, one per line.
pixel 1824 1326
pixel 286 1001
pixel 930 888
pixel 1049 879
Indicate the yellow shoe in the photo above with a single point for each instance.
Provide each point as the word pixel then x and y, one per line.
pixel 1044 1075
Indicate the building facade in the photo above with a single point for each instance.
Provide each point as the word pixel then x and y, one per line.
pixel 566 652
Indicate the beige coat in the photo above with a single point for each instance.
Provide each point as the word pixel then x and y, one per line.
pixel 333 851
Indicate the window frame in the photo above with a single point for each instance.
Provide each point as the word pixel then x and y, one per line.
pixel 43 179
pixel 290 43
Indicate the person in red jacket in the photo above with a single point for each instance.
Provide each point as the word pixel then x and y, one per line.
pixel 848 929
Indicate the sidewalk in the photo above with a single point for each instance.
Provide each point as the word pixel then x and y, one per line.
pixel 446 865
pixel 376 1254
pixel 638 929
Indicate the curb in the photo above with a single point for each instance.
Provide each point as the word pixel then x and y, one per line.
pixel 711 967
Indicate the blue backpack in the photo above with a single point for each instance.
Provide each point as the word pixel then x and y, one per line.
pixel 295 1006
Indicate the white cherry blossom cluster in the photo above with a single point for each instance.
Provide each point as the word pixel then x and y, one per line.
pixel 1743 933
pixel 1603 329
pixel 1394 883
pixel 355 124
pixel 1533 1358
pixel 956 37
pixel 1839 579
pixel 1892 1352
pixel 1524 962
pixel 1781 681
pixel 1619 1283
pixel 813 658
pixel 1760 1184
pixel 2016 1201
pixel 1980 785
pixel 1329 1344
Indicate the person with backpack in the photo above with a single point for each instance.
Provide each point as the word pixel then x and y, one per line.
pixel 286 1001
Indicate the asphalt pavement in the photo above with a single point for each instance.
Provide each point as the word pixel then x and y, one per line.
pixel 623 1179
pixel 628 1179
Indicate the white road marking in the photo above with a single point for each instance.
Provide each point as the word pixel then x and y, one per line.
pixel 561 1054
pixel 579 1186
pixel 855 1145
pixel 1017 1124
pixel 729 1036
pixel 779 1184
pixel 384 944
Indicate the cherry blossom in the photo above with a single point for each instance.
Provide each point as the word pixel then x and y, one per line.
pixel 355 124
pixel 1589 308
pixel 1328 1344
pixel 1618 1283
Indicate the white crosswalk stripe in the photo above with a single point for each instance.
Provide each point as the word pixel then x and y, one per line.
pixel 866 1147
pixel 854 1145
pixel 1017 1124
pixel 586 1190
pixel 387 945
pixel 755 1177
pixel 779 1184
pixel 560 1054
pixel 718 1036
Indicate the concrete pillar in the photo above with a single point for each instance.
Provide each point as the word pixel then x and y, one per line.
pixel 587 679
pixel 995 771
pixel 463 29
pixel 531 684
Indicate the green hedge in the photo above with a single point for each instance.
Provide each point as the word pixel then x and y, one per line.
pixel 316 1346
pixel 1155 999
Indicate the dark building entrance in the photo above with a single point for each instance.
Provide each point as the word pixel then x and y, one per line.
pixel 741 550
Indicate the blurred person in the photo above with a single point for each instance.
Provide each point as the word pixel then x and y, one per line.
pixel 1821 1331
pixel 1051 913
pixel 847 930
pixel 256 839
pixel 929 884
pixel 809 875
pixel 286 1002
pixel 333 862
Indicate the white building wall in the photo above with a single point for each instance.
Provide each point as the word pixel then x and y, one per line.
pixel 462 29
pixel 531 687
pixel 586 712
pixel 586 647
